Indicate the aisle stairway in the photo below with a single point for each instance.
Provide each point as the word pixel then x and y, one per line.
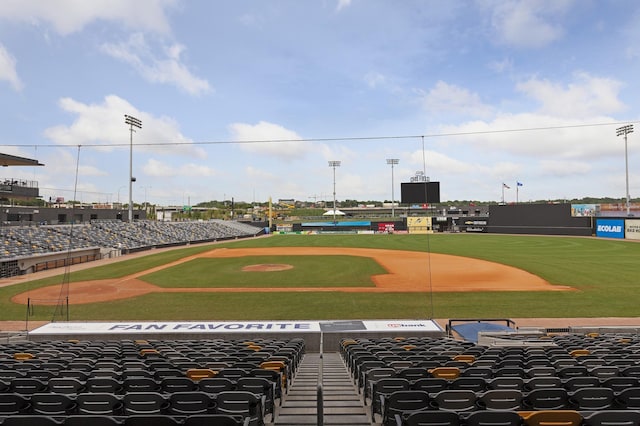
pixel 342 403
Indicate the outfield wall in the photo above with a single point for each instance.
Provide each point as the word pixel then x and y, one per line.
pixel 537 219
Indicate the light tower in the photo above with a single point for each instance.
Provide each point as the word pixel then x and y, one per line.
pixel 392 162
pixel 132 122
pixel 624 131
pixel 334 164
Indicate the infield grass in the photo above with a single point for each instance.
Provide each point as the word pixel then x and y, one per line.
pixel 307 271
pixel 605 273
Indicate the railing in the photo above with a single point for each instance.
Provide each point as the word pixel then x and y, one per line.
pixel 319 390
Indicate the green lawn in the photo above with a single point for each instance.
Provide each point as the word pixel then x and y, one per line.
pixel 307 271
pixel 606 274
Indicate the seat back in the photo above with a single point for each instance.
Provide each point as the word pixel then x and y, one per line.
pixel 493 418
pixel 403 403
pixel 592 398
pixel 144 403
pixel 612 418
pixel 501 399
pixel 553 418
pixel 432 418
pixel 99 403
pixel 215 385
pixel 455 400
pixel 240 403
pixel 188 403
pixel 546 399
pixel 52 404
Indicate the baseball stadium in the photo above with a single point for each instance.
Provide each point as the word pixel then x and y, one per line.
pixel 521 315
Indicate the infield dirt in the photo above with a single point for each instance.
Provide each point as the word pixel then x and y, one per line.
pixel 407 271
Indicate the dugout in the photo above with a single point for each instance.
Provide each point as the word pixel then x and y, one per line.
pixel 537 219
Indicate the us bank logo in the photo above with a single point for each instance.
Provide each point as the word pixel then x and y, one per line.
pixel 610 228
pixel 405 325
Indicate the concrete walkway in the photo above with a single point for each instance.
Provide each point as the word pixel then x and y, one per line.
pixel 342 403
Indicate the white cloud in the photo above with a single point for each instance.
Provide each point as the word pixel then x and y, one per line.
pixel 103 124
pixel 449 98
pixel 157 168
pixel 501 136
pixel 259 174
pixel 342 4
pixel 374 79
pixel 292 148
pixel 501 66
pixel 8 69
pixel 564 168
pixel 167 69
pixel 70 16
pixel 527 23
pixel 585 97
pixel 562 119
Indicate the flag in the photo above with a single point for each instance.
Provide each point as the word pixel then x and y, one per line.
pixel 504 185
pixel 519 183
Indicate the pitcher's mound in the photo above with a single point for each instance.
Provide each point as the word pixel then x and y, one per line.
pixel 267 267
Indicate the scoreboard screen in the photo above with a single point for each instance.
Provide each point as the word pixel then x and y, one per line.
pixel 420 192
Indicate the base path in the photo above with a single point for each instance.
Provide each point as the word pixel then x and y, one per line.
pixel 407 271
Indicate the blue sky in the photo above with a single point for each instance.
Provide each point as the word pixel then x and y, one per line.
pixel 358 81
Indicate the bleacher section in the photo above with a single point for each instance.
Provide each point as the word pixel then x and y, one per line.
pixel 190 382
pixel 574 379
pixel 24 241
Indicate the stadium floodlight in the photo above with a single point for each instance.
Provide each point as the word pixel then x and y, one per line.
pixel 624 131
pixel 392 162
pixel 334 164
pixel 132 122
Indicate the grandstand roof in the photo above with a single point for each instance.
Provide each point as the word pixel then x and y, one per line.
pixel 13 160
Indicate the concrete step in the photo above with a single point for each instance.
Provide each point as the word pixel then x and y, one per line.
pixel 341 401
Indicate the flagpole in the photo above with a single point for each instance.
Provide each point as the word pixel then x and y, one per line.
pixel 503 193
pixel 517 189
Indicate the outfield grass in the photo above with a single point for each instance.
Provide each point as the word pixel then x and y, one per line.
pixel 606 274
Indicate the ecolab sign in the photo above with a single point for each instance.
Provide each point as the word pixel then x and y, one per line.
pixel 610 228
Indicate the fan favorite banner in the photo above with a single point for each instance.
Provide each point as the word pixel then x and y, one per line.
pixel 146 328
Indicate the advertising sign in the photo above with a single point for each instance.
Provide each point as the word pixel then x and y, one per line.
pixel 632 229
pixel 386 227
pixel 610 228
pixel 257 327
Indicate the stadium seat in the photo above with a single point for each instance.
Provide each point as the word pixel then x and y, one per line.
pixel 13 403
pixel 546 399
pixel 500 399
pixel 99 403
pixel 240 403
pixel 401 404
pixel 31 420
pixel 553 418
pixel 381 389
pixel 144 403
pixel 432 418
pixel 612 418
pixel 493 418
pixel 151 420
pixel 92 420
pixel 214 419
pixel 188 403
pixel 52 404
pixel 454 400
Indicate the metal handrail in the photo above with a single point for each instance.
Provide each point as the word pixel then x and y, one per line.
pixel 319 389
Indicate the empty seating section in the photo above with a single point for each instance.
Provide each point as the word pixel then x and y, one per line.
pixel 564 379
pixel 145 382
pixel 19 241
